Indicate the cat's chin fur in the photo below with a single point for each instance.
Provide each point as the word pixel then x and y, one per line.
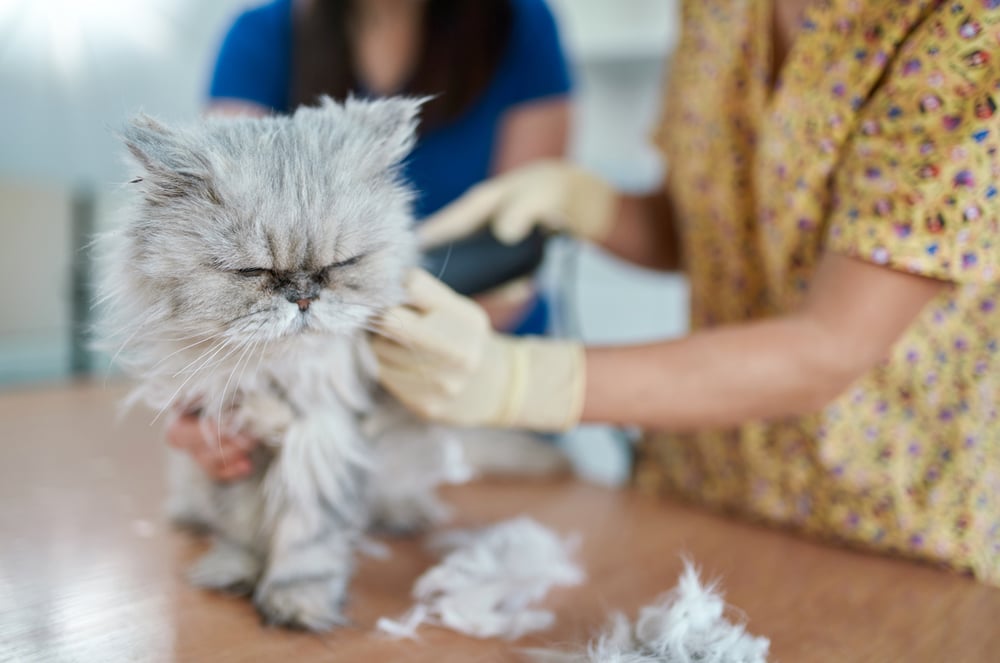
pixel 192 316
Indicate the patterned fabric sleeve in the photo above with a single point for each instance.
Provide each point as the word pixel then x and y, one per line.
pixel 917 186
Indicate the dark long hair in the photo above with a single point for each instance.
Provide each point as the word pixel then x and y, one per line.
pixel 462 44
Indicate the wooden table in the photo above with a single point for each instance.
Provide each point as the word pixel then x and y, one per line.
pixel 90 572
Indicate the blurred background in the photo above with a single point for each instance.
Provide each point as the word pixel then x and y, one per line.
pixel 72 70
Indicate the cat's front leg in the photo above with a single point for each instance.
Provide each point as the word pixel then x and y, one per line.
pixel 227 567
pixel 239 548
pixel 315 514
pixel 190 502
pixel 308 569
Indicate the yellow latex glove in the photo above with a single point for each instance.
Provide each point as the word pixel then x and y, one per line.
pixel 440 358
pixel 554 194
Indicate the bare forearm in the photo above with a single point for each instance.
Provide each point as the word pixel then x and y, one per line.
pixel 643 232
pixel 716 379
pixel 787 366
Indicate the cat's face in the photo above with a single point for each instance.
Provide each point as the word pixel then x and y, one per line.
pixel 260 229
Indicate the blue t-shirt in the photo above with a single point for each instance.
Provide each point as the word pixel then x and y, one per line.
pixel 255 64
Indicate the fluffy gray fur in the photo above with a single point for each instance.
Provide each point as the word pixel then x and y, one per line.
pixel 686 625
pixel 258 253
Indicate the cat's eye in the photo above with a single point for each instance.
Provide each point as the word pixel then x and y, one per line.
pixel 346 263
pixel 251 272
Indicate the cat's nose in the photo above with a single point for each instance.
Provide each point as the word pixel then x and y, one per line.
pixel 302 299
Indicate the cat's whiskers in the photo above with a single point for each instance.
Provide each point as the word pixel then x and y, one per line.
pixel 260 358
pixel 138 328
pixel 242 316
pixel 246 350
pixel 103 299
pixel 239 381
pixel 447 259
pixel 222 344
pixel 212 350
pixel 186 347
pixel 178 339
pixel 137 336
pixel 256 344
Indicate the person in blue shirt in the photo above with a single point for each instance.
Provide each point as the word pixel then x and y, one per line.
pixel 495 68
pixel 500 87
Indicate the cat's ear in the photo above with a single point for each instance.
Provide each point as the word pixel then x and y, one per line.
pixel 172 168
pixel 389 125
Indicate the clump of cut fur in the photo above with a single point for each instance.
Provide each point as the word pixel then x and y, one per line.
pixel 687 625
pixel 489 580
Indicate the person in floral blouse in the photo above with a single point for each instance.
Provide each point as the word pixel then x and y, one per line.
pixel 832 198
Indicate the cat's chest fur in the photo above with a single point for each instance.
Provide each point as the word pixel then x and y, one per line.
pixel 258 251
pixel 331 375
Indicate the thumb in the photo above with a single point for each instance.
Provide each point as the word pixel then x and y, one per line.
pixel 518 218
pixel 463 217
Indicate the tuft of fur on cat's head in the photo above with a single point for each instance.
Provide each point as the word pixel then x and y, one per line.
pixel 262 230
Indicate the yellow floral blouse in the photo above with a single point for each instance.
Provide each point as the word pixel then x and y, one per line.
pixel 879 140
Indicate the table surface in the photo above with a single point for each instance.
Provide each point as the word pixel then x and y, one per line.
pixel 91 572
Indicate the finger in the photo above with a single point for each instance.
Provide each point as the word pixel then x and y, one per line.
pixel 175 439
pixel 428 294
pixel 393 356
pixel 184 433
pixel 400 324
pixel 242 442
pixel 209 433
pixel 409 389
pixel 389 353
pixel 238 469
pixel 208 460
pixel 209 447
pixel 464 216
pixel 395 360
pixel 215 460
pixel 515 220
pixel 229 447
pixel 434 341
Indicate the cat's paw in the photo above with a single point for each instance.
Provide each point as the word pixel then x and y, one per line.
pixel 188 520
pixel 313 604
pixel 226 568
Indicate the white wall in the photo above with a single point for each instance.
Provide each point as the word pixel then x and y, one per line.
pixel 71 71
pixel 618 49
pixel 34 282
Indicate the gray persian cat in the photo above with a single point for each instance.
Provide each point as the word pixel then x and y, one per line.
pixel 242 287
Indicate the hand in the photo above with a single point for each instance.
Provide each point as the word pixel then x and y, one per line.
pixel 440 358
pixel 224 459
pixel 554 194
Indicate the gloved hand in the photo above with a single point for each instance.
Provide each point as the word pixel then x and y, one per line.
pixel 554 194
pixel 440 358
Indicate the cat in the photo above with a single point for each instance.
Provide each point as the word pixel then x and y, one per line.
pixel 243 287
